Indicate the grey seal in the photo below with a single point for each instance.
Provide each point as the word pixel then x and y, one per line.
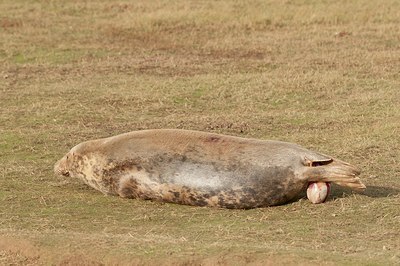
pixel 202 169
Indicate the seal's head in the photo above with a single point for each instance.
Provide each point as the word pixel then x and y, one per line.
pixel 64 165
pixel 86 162
pixel 69 165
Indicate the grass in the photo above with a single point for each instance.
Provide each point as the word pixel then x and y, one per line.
pixel 324 74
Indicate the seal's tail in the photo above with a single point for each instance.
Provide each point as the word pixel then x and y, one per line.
pixel 337 172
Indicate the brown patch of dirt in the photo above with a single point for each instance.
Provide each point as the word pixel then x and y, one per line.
pixel 237 259
pixel 10 23
pixel 18 252
pixel 79 260
pixel 15 251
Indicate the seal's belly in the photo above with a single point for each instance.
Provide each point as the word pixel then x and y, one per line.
pixel 207 183
pixel 199 177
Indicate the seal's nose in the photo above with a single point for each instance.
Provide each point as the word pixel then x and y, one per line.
pixel 65 173
pixel 60 168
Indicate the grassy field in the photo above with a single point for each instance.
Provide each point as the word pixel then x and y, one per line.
pixel 324 74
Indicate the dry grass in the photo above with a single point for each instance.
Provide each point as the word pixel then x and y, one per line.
pixel 324 74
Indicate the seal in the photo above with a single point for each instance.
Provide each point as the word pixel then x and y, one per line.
pixel 202 169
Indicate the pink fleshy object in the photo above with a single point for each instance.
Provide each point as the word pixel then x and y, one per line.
pixel 317 192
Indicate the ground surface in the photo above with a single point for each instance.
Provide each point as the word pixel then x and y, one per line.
pixel 324 74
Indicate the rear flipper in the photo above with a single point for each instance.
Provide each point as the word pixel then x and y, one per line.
pixel 334 171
